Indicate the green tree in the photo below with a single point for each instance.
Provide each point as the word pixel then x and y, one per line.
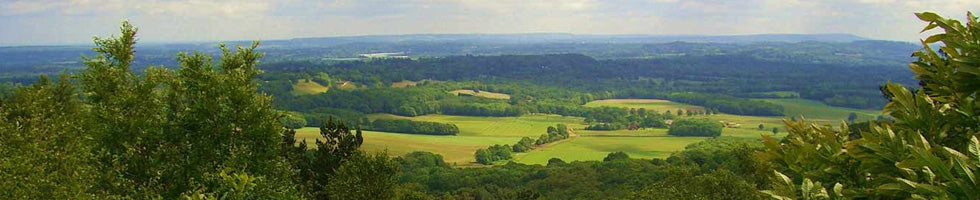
pixel 761 127
pixel 775 130
pixel 292 120
pixel 365 177
pixel 851 117
pixel 930 151
pixel 46 152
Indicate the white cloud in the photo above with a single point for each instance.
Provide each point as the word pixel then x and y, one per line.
pixel 58 21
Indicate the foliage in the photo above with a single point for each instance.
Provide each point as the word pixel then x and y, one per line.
pixel 524 145
pixel 292 120
pixel 46 153
pixel 930 151
pixel 365 177
pixel 493 153
pixel 414 127
pixel 695 127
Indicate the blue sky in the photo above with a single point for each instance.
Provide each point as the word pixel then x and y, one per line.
pixel 43 22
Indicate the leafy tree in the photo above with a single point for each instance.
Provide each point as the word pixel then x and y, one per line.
pixel 365 177
pixel 851 117
pixel 930 151
pixel 695 127
pixel 619 155
pixel 775 130
pixel 46 153
pixel 292 120
pixel 761 127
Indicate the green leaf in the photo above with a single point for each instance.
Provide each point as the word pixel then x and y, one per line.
pixel 935 38
pixel 928 16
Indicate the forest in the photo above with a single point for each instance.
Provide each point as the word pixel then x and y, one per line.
pixel 219 124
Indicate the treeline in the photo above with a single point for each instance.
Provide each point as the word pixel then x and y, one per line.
pixel 413 127
pixel 492 154
pixel 695 127
pixel 622 118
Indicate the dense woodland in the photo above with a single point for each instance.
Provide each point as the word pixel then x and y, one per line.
pixel 209 129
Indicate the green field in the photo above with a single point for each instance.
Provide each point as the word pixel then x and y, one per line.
pixel 648 104
pixel 402 84
pixel 819 110
pixel 596 148
pixel 480 132
pixel 455 149
pixel 308 87
pixel 484 94
pixel 528 125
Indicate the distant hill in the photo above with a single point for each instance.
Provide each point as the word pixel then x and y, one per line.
pixel 576 38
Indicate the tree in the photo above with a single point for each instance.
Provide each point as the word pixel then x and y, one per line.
pixel 619 155
pixel 340 144
pixel 680 112
pixel 851 117
pixel 775 130
pixel 365 177
pixel 46 153
pixel 930 151
pixel 292 120
pixel 761 127
pixel 695 127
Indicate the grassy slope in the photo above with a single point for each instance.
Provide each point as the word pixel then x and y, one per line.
pixel 648 104
pixel 308 87
pixel 455 149
pixel 528 125
pixel 819 110
pixel 484 94
pixel 480 132
pixel 596 148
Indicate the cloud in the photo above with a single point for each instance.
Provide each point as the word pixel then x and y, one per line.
pixel 75 21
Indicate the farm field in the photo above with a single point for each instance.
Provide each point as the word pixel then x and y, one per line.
pixel 648 104
pixel 528 125
pixel 484 94
pixel 596 148
pixel 308 87
pixel 402 84
pixel 455 149
pixel 818 110
pixel 480 132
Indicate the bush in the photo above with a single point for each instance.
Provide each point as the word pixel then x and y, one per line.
pixel 695 127
pixel 414 127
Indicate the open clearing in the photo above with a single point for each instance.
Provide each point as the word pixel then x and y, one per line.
pixel 658 105
pixel 480 132
pixel 484 94
pixel 402 84
pixel 455 149
pixel 527 125
pixel 819 110
pixel 307 86
pixel 596 148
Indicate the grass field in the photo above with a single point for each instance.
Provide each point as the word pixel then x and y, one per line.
pixel 819 110
pixel 455 149
pixel 528 125
pixel 596 148
pixel 648 104
pixel 402 84
pixel 483 94
pixel 480 132
pixel 308 87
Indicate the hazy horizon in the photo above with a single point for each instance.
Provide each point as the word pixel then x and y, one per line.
pixel 50 22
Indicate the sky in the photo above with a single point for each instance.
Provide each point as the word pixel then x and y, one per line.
pixel 53 22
